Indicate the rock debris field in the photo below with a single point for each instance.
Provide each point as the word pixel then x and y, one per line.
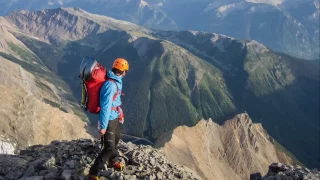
pixel 72 160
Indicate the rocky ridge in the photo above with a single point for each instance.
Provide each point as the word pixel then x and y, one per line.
pixel 72 160
pixel 231 151
pixel 279 171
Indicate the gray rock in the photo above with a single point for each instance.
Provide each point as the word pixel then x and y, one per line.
pixel 35 178
pixel 307 170
pixel 143 174
pixel 141 167
pixel 113 176
pixel 289 172
pixel 59 161
pixel 82 177
pixel 75 157
pixel 284 168
pixel 313 175
pixel 300 171
pixel 277 171
pixel 53 169
pixel 52 176
pixel 129 177
pixel 104 178
pixel 106 173
pixel 66 174
pixel 49 163
pixel 152 177
pixel 37 163
pixel 170 176
pixel 29 172
pixel 121 177
pixel 43 172
pixel 71 150
pixel 15 173
pixel 71 164
pixel 129 171
pixel 159 168
pixel 160 176
pixel 152 161
pixel 88 159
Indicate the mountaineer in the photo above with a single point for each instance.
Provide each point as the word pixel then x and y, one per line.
pixel 107 104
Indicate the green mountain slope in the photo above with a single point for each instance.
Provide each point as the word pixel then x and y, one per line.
pixel 279 91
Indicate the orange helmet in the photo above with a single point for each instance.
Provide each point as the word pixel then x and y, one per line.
pixel 121 64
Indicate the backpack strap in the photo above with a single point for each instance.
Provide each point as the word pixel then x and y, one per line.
pixel 117 92
pixel 121 114
pixel 84 95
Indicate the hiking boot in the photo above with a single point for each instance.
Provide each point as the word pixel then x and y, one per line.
pixel 124 160
pixel 118 165
pixel 93 177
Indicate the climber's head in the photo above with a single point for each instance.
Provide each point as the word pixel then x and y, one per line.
pixel 120 67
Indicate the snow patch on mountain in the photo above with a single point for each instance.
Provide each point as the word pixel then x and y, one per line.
pixel 227 9
pixel 143 4
pixel 271 2
pixel 217 4
pixel 228 5
pixel 57 2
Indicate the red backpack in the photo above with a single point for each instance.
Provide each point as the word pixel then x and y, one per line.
pixel 93 76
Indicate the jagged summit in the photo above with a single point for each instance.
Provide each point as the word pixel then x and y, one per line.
pixel 231 151
pixel 72 160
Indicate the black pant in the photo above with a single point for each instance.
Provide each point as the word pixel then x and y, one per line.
pixel 110 141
